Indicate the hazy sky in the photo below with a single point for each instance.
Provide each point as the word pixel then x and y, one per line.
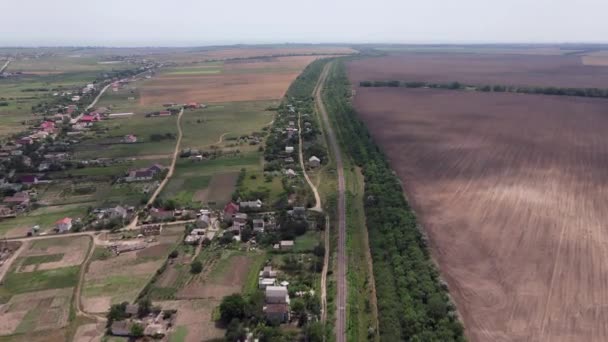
pixel 203 22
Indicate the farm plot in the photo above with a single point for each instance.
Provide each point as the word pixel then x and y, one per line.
pixel 114 279
pixel 106 146
pixel 225 273
pixel 52 254
pixel 531 70
pixel 36 311
pixel 511 190
pixel 217 123
pixel 194 321
pixel 269 83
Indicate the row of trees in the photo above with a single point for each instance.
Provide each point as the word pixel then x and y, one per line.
pixel 412 303
pixel 581 92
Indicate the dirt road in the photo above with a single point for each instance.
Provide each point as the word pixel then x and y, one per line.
pixel 8 61
pixel 173 161
pixel 335 148
pixel 317 206
pixel 78 291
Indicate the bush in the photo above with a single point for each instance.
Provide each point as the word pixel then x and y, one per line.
pixel 196 267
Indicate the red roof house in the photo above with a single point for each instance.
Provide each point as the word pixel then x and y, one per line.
pixel 230 210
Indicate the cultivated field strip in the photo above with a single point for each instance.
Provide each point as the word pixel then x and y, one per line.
pixel 512 191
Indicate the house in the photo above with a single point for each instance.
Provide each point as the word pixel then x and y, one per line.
pixel 155 330
pixel 258 225
pixel 268 272
pixel 289 149
pixel 120 328
pixel 47 126
pixel 277 295
pixel 202 221
pixel 93 117
pixel 197 232
pixel 28 180
pixel 192 105
pixel 132 309
pixel 164 113
pixel 230 210
pixel 151 229
pixel 263 283
pixel 290 173
pixel 161 214
pixel 117 212
pixel 314 161
pixel 251 204
pixel 192 239
pixel 63 225
pixel 139 175
pixel 286 245
pixel 240 218
pixel 289 160
pixel 156 168
pixel 43 166
pixel 129 139
pixel 299 212
pixel 277 313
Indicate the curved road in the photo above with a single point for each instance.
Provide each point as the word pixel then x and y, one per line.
pixel 317 206
pixel 335 147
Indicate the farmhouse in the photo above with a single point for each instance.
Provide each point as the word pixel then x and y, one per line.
pixel 121 328
pixel 89 118
pixel 289 149
pixel 117 212
pixel 314 161
pixel 203 221
pixel 286 244
pixel 290 173
pixel 277 313
pixel 63 225
pixel 139 175
pixel 277 295
pixel 230 210
pixel 258 225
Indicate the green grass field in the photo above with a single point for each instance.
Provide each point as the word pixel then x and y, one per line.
pixel 40 259
pixel 204 127
pixel 16 283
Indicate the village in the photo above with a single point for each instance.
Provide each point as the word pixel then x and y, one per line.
pixel 171 212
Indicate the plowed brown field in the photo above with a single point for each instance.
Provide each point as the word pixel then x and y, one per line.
pixel 532 70
pixel 512 191
pixel 251 80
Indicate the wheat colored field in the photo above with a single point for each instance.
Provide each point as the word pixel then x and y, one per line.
pixel 512 191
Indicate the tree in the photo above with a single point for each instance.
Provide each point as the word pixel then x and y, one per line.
pixel 145 306
pixel 232 307
pixel 137 330
pixel 117 312
pixel 314 332
pixel 196 267
pixel 299 309
pixel 174 254
pixel 235 331
pixel 319 250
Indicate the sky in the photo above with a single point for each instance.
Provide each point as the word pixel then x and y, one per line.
pixel 219 22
